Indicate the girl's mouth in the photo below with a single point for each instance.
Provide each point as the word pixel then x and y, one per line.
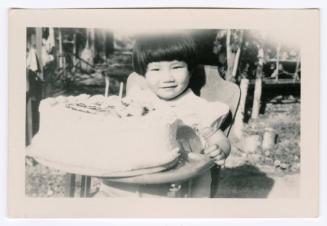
pixel 168 87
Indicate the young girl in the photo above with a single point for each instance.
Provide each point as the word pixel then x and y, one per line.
pixel 164 65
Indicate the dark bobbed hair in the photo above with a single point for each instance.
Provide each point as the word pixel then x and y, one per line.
pixel 163 47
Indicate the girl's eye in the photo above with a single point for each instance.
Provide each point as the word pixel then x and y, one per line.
pixel 178 66
pixel 154 69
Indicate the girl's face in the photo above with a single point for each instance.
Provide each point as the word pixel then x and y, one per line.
pixel 167 79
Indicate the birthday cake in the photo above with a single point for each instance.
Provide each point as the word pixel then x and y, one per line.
pixel 104 136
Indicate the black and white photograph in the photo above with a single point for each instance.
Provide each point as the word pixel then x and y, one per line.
pixel 211 113
pixel 180 113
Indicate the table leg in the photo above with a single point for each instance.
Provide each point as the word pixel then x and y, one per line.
pixel 215 172
pixel 85 186
pixel 70 180
pixel 188 192
pixel 88 186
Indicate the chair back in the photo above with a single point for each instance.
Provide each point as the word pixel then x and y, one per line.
pixel 208 84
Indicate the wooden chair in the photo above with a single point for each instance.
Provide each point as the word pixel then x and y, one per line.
pixel 206 83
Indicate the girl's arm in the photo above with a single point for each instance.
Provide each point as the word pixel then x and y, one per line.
pixel 218 147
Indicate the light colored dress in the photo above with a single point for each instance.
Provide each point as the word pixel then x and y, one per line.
pixel 204 117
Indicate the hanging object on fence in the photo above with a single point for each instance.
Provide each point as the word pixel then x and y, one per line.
pixel 31 62
pixel 234 39
pixel 87 55
pixel 46 56
pixel 48 44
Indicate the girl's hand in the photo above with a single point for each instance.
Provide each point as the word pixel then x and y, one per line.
pixel 213 151
pixel 218 147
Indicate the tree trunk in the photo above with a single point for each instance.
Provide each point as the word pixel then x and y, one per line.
pixel 61 57
pixel 29 121
pixel 39 51
pixel 257 97
pixel 74 51
pixel 230 57
pixel 238 124
pixel 258 87
pixel 104 39
pixel 92 40
pixel 109 43
pixel 237 57
pixel 277 61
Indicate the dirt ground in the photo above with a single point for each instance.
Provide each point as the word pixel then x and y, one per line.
pixel 241 179
pixel 273 173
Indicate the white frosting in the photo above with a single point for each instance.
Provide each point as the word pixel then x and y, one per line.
pixel 105 142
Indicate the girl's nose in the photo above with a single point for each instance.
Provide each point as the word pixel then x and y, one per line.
pixel 168 76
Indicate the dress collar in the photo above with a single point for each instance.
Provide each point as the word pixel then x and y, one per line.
pixel 184 98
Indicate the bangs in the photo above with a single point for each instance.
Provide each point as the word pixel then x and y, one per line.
pixel 164 47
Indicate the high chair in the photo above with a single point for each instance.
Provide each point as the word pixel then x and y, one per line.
pixel 206 83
